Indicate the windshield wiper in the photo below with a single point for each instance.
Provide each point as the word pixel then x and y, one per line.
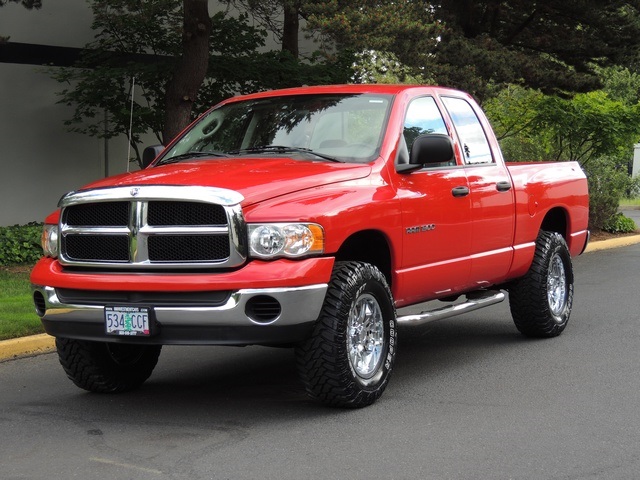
pixel 283 149
pixel 187 155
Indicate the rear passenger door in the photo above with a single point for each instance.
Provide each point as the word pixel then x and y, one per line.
pixel 491 194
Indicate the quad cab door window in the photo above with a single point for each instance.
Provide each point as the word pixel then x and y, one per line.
pixel 436 240
pixel 491 194
pixel 475 147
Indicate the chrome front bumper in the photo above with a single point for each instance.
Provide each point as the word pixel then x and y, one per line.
pixel 231 323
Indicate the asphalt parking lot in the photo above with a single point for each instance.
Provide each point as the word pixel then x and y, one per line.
pixel 470 398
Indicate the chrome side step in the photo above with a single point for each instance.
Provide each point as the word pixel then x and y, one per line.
pixel 475 301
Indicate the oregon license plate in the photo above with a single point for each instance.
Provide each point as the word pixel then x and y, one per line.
pixel 127 321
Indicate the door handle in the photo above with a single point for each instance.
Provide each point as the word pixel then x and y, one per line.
pixel 503 186
pixel 460 191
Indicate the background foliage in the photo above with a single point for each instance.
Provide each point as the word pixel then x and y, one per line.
pixel 619 223
pixel 142 41
pixel 597 129
pixel 559 80
pixel 20 244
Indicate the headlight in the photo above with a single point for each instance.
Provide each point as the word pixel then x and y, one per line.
pixel 285 240
pixel 49 240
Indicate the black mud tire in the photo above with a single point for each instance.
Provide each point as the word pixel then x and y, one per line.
pixel 106 367
pixel 541 301
pixel 334 364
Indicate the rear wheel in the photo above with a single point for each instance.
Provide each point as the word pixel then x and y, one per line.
pixel 541 301
pixel 348 359
pixel 106 367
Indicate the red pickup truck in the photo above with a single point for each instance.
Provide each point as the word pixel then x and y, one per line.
pixel 305 218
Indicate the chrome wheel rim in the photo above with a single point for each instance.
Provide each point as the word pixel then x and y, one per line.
pixel 556 286
pixel 365 336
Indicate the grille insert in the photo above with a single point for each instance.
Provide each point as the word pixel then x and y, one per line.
pixel 103 214
pixel 185 214
pixel 97 248
pixel 188 248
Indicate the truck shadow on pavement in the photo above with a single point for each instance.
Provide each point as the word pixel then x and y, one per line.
pixel 202 384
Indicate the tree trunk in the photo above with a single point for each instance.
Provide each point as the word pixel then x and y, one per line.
pixel 290 28
pixel 191 68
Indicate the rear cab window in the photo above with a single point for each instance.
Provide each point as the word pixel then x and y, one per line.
pixel 473 140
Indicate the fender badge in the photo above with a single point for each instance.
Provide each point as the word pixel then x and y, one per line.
pixel 421 228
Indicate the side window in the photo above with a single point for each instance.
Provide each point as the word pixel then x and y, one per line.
pixel 474 141
pixel 422 117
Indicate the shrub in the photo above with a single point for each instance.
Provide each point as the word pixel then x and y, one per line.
pixel 619 223
pixel 596 128
pixel 609 180
pixel 20 243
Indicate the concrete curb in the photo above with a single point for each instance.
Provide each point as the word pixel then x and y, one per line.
pixel 26 346
pixel 613 243
pixel 38 344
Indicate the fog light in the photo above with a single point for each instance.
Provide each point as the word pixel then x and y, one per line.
pixel 263 309
pixel 41 306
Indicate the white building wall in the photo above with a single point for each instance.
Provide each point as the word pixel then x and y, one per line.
pixel 40 159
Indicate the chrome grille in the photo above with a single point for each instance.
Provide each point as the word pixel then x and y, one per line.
pixel 152 227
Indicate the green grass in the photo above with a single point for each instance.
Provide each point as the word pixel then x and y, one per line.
pixel 630 202
pixel 17 313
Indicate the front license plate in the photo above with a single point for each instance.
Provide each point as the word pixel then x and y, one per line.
pixel 133 321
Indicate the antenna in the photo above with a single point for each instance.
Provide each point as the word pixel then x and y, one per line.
pixel 133 86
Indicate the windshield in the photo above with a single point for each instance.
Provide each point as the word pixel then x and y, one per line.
pixel 346 128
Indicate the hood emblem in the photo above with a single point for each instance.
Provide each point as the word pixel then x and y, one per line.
pixel 134 191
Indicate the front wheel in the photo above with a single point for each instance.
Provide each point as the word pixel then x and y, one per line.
pixel 106 367
pixel 348 359
pixel 541 300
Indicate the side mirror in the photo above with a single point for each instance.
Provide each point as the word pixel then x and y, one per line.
pixel 431 148
pixel 427 149
pixel 149 154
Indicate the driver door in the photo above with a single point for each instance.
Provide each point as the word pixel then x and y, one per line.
pixel 436 217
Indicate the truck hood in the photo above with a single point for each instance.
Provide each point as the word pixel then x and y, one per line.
pixel 257 179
